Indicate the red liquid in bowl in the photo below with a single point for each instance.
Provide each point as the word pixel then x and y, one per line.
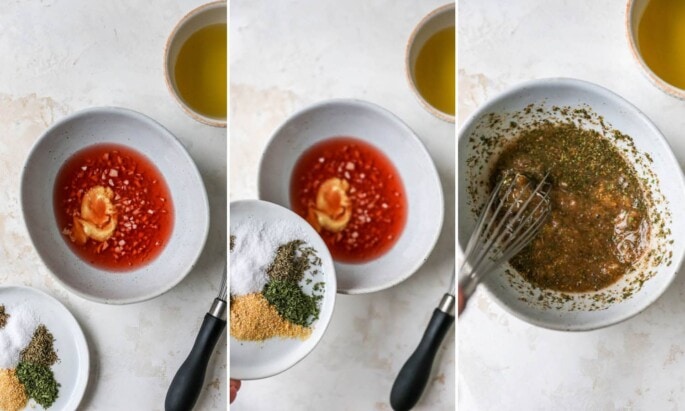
pixel 376 192
pixel 142 200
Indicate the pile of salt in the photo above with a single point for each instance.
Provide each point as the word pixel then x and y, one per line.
pixel 254 250
pixel 17 334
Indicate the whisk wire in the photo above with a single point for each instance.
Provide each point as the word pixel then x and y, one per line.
pixel 502 227
pixel 505 226
pixel 223 288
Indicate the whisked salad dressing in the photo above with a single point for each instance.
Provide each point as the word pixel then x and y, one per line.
pixel 599 226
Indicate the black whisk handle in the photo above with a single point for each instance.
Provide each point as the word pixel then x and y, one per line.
pixel 186 386
pixel 413 377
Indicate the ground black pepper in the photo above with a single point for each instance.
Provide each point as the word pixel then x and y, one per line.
pixel 3 317
pixel 292 261
pixel 41 348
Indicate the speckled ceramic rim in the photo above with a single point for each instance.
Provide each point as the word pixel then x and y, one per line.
pixel 209 7
pixel 82 382
pixel 390 117
pixel 631 32
pixel 408 69
pixel 173 140
pixel 612 98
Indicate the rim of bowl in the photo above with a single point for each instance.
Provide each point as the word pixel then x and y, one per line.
pixel 392 117
pixel 259 202
pixel 635 50
pixel 174 141
pixel 632 110
pixel 211 121
pixel 408 71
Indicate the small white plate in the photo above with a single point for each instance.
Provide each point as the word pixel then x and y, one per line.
pixel 382 129
pixel 261 359
pixel 71 372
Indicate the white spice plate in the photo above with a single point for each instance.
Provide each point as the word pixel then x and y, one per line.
pixel 71 371
pixel 262 359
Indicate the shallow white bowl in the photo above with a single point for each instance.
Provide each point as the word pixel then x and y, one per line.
pixel 379 127
pixel 439 19
pixel 191 208
pixel 253 360
pixel 634 12
pixel 203 16
pixel 622 116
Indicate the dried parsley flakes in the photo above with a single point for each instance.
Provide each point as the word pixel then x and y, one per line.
pixel 39 382
pixel 291 303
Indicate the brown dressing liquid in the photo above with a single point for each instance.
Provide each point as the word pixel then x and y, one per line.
pixel 598 228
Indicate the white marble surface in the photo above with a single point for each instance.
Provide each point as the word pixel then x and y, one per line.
pixel 505 363
pixel 62 56
pixel 288 54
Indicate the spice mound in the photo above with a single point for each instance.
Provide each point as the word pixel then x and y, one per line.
pixel 599 226
pixel 27 353
pixel 3 317
pixel 273 287
pixel 254 319
pixel 12 392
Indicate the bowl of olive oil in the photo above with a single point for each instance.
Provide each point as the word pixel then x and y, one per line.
pixel 430 61
pixel 656 32
pixel 195 63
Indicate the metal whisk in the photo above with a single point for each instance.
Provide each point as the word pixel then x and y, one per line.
pixel 514 214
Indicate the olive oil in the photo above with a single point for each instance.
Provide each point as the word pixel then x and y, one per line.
pixel 661 39
pixel 200 71
pixel 434 70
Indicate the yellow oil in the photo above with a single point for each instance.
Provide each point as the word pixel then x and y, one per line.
pixel 200 71
pixel 434 70
pixel 661 39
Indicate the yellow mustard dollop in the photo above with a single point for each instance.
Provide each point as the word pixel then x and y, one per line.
pixel 98 218
pixel 333 208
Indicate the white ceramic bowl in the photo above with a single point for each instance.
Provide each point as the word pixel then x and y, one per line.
pixel 515 294
pixel 254 360
pixel 203 16
pixel 634 11
pixel 191 208
pixel 368 122
pixel 439 19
